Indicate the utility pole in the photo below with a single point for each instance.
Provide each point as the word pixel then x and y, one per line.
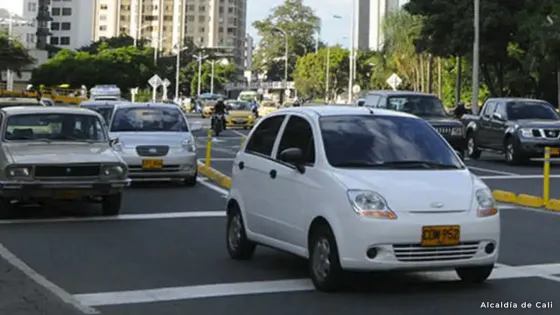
pixel 351 56
pixel 476 56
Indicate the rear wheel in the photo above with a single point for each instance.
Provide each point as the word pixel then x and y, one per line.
pixel 111 205
pixel 477 274
pixel 238 245
pixel 7 209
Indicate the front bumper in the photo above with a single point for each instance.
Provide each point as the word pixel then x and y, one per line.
pixel 398 242
pixel 534 148
pixel 239 122
pixel 61 189
pixel 458 143
pixel 178 164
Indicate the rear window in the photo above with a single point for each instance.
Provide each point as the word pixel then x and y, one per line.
pixel 419 105
pixel 360 139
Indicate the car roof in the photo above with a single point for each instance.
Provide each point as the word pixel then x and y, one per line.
pixel 395 93
pixel 100 103
pixel 516 99
pixel 334 110
pixel 145 105
pixel 16 110
pixel 20 100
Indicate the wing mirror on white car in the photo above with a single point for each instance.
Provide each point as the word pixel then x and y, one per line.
pixel 293 156
pixel 114 142
pixel 196 127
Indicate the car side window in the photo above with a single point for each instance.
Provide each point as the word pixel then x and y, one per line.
pixel 298 134
pixel 501 109
pixel 489 109
pixel 372 100
pixel 262 139
pixel 382 102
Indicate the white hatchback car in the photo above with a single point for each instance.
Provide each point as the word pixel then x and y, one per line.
pixel 353 188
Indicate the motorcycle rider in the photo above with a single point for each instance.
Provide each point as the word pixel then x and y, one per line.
pixel 220 109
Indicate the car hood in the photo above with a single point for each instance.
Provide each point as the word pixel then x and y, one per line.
pixel 443 121
pixel 537 123
pixel 61 153
pixel 133 139
pixel 239 113
pixel 415 191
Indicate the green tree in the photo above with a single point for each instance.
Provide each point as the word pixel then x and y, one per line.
pixel 13 55
pixel 300 24
pixel 222 75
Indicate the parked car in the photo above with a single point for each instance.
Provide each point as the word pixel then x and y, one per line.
pixel 518 128
pixel 51 153
pixel 327 183
pixel 155 141
pixel 425 106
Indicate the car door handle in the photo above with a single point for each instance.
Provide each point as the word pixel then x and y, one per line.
pixel 241 165
pixel 272 174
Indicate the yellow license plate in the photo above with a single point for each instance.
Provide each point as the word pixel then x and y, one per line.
pixel 441 235
pixel 152 163
pixel 66 194
pixel 554 151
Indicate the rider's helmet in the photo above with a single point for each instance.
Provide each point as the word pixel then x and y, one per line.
pixel 220 99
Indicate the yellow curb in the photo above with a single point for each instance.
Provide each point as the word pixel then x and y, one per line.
pixel 504 196
pixel 214 175
pixel 553 204
pixel 529 201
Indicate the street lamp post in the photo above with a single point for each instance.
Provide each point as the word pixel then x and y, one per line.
pixel 199 58
pixel 178 70
pixel 351 56
pixel 476 51
pixel 156 48
pixel 137 33
pixel 285 34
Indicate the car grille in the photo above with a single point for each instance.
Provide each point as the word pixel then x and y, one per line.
pixel 551 133
pixel 152 150
pixel 67 171
pixel 137 169
pixel 417 253
pixel 444 130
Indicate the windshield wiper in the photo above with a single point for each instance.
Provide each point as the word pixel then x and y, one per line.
pixel 70 138
pixel 408 164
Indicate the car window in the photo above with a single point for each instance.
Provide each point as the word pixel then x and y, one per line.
pixel 298 134
pixel 60 127
pixel 531 110
pixel 371 100
pixel 367 140
pixel 501 109
pixel 262 139
pixel 149 119
pixel 382 102
pixel 489 109
pixel 419 105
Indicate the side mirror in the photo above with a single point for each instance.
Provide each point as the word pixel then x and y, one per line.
pixel 114 141
pixel 361 103
pixel 498 116
pixel 461 155
pixel 293 156
pixel 196 127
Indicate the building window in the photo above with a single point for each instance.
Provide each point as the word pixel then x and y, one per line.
pixel 32 7
pixel 201 8
pixel 55 11
pixel 201 19
pixel 103 27
pixel 30 37
pixel 54 40
pixel 102 18
pixel 201 29
pixel 103 7
pixel 190 18
pixel 191 7
pixel 65 40
pixel 66 11
pixel 65 26
pixel 55 26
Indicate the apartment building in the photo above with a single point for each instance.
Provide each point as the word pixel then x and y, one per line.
pixel 369 23
pixel 72 23
pixel 207 23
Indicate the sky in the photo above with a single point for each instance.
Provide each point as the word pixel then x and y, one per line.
pixel 16 6
pixel 333 30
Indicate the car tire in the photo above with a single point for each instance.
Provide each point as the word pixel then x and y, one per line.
pixel 190 181
pixel 472 149
pixel 239 247
pixel 7 209
pixel 477 274
pixel 324 263
pixel 511 154
pixel 111 205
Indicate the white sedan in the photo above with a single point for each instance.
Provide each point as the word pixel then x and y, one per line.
pixel 353 188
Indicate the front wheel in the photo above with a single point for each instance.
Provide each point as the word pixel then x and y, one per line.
pixel 472 149
pixel 512 155
pixel 477 274
pixel 239 247
pixel 111 205
pixel 324 263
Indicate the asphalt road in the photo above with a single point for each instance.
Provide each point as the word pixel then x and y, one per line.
pixel 166 255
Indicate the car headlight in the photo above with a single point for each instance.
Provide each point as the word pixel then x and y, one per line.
pixel 486 203
pixel 113 171
pixel 251 117
pixel 526 133
pixel 18 172
pixel 457 131
pixel 189 144
pixel 370 204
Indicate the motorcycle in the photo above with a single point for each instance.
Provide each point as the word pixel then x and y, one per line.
pixel 218 123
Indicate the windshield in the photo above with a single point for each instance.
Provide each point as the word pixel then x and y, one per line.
pixel 531 110
pixel 63 127
pixel 247 97
pixel 106 112
pixel 148 119
pixel 239 106
pixel 269 104
pixel 366 141
pixel 419 105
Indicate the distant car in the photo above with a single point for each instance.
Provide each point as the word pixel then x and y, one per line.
pixel 239 115
pixel 105 108
pixel 359 189
pixel 266 108
pixel 155 141
pixel 52 153
pixel 47 101
pixel 20 101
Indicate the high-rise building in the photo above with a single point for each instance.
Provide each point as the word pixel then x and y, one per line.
pixel 369 25
pixel 165 23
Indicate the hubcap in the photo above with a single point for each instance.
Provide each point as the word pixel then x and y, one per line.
pixel 470 146
pixel 509 152
pixel 234 233
pixel 320 261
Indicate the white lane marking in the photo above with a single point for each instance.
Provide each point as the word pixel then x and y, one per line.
pixel 122 217
pixel 217 160
pixel 204 181
pixel 517 177
pixel 487 170
pixel 281 286
pixel 44 282
pixel 239 133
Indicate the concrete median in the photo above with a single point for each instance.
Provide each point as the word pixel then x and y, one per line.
pixel 214 175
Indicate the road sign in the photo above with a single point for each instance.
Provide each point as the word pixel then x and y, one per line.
pixel 356 89
pixel 166 82
pixel 394 81
pixel 155 81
